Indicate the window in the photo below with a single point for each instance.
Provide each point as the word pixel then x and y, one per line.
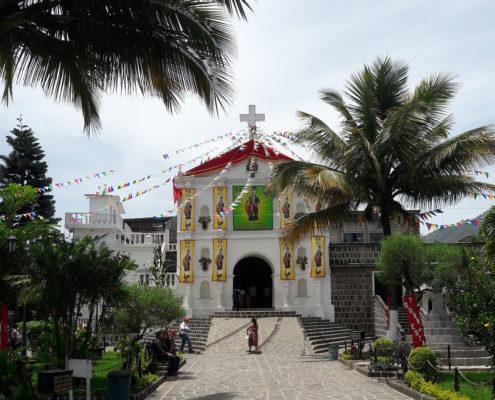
pixel 353 237
pixel 376 237
pixel 147 279
pixel 141 279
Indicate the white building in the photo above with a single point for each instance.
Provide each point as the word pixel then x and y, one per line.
pixel 136 237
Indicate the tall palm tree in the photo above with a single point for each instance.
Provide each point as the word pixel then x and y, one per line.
pixel 393 150
pixel 77 49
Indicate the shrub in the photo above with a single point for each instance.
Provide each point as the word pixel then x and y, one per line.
pixel 382 346
pixel 143 382
pixel 419 357
pixel 346 355
pixel 417 382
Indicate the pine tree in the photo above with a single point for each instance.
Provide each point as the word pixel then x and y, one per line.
pixel 25 166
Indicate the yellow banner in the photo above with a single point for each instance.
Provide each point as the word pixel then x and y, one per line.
pixel 186 267
pixel 219 199
pixel 286 260
pixel 318 257
pixel 219 270
pixel 285 203
pixel 187 211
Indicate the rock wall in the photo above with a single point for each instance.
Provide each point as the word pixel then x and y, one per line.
pixel 352 296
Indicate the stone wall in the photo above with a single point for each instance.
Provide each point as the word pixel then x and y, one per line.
pixel 352 296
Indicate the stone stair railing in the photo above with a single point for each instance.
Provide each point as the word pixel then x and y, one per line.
pixel 380 316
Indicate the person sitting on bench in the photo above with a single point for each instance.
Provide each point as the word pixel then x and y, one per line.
pixel 170 357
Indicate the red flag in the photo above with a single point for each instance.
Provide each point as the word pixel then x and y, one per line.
pixel 414 318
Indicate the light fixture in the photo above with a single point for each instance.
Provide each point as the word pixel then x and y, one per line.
pixel 12 244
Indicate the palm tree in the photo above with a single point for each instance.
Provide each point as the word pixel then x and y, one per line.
pixel 75 50
pixel 393 150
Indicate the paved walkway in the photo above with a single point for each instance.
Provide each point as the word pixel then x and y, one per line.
pixel 271 375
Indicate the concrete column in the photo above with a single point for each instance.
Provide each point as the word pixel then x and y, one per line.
pixel 437 304
pixel 319 311
pixel 286 305
pixel 220 306
pixel 187 299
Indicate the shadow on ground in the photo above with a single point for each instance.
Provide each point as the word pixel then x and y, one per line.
pixel 216 396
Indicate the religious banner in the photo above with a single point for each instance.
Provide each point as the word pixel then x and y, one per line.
pixel 285 209
pixel 286 260
pixel 414 318
pixel 219 270
pixel 219 199
pixel 317 257
pixel 187 210
pixel 255 211
pixel 186 267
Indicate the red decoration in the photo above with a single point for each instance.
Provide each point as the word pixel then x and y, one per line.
pixel 414 318
pixel 4 327
pixel 240 153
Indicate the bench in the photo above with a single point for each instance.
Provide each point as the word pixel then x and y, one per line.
pixel 388 362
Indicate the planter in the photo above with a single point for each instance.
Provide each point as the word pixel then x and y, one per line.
pixel 333 352
pixel 143 394
pixel 119 385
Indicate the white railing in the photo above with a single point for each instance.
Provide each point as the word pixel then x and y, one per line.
pixel 99 219
pixel 169 247
pixel 142 238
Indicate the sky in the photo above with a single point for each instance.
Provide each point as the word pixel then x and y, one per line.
pixel 287 51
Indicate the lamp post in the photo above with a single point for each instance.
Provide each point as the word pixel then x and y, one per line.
pixel 4 329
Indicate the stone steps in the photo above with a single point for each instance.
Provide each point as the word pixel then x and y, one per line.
pixel 199 333
pixel 257 313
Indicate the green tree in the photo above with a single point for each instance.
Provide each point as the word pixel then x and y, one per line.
pixel 25 166
pixel 63 276
pixel 14 198
pixel 77 50
pixel 146 308
pixel 394 148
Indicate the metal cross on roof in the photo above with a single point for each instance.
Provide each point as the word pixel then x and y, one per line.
pixel 251 118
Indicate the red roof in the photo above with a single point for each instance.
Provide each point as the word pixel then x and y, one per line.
pixel 237 155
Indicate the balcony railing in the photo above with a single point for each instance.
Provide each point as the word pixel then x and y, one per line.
pixel 142 238
pixel 367 253
pixel 73 219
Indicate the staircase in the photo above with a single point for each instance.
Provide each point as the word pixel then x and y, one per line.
pixel 200 326
pixel 441 331
pixel 403 321
pixel 322 333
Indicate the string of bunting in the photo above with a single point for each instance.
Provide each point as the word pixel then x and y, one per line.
pixel 460 223
pixel 73 181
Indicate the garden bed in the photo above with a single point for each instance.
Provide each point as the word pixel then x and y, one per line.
pixel 477 393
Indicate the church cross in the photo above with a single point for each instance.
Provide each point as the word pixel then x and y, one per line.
pixel 251 118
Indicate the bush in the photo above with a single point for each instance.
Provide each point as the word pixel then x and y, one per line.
pixel 419 357
pixel 143 382
pixel 417 382
pixel 346 355
pixel 382 346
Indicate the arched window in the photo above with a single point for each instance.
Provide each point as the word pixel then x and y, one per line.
pixel 302 288
pixel 204 211
pixel 302 259
pixel 300 210
pixel 204 290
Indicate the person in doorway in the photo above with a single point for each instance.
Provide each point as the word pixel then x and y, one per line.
pixel 268 295
pixel 184 335
pixel 236 300
pixel 252 296
pixel 252 333
pixel 242 298
pixel 170 357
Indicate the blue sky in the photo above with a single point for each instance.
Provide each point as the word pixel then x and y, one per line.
pixel 287 51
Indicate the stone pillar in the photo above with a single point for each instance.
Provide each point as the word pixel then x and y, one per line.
pixel 286 305
pixel 437 304
pixel 187 299
pixel 319 311
pixel 220 306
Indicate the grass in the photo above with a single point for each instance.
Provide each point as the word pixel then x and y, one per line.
pixel 475 393
pixel 110 361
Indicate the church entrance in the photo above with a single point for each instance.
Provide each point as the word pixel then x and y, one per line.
pixel 254 276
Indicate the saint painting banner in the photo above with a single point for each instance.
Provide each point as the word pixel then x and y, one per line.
pixel 219 199
pixel 255 210
pixel 285 209
pixel 186 268
pixel 317 257
pixel 187 210
pixel 219 270
pixel 286 260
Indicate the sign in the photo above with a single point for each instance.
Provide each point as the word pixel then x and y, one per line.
pixel 414 318
pixel 186 261
pixel 318 257
pixel 219 270
pixel 255 210
pixel 82 368
pixel 187 213
pixel 285 209
pixel 55 381
pixel 286 260
pixel 219 199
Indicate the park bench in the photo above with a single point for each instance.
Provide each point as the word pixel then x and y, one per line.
pixel 155 365
pixel 386 363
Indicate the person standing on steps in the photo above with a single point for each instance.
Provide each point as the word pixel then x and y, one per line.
pixel 252 333
pixel 236 299
pixel 184 335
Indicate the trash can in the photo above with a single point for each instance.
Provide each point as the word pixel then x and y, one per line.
pixel 119 385
pixel 333 352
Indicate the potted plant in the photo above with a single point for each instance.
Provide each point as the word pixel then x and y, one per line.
pixel 302 261
pixel 205 261
pixel 204 221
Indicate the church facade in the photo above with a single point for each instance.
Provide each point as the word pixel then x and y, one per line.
pixel 230 237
